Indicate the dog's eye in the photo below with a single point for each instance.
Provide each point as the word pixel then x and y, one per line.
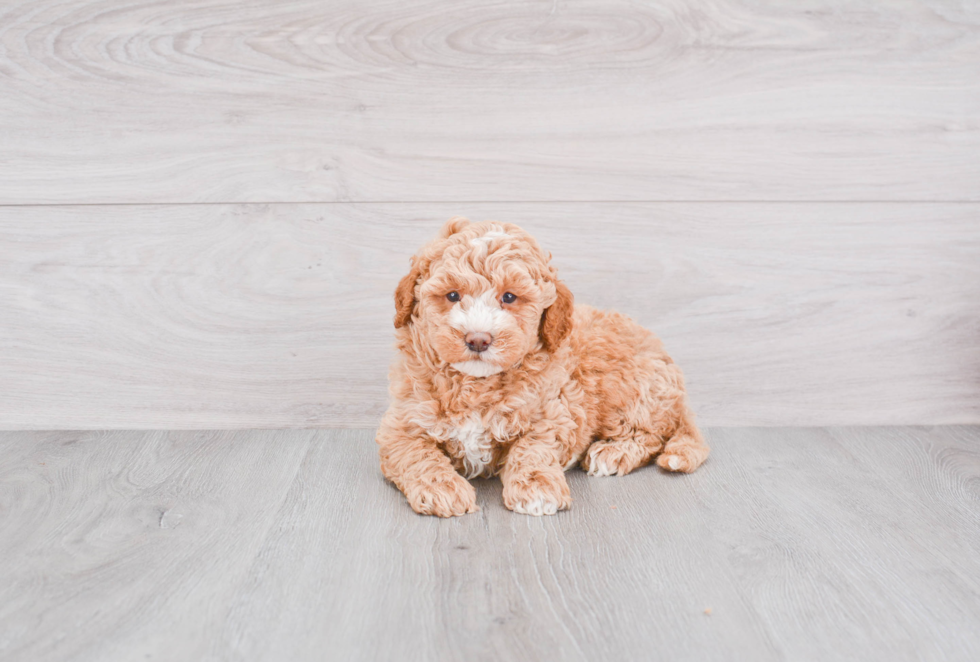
pixel 453 296
pixel 508 297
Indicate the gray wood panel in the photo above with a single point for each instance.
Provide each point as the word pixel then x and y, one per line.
pixel 217 316
pixel 805 544
pixel 394 100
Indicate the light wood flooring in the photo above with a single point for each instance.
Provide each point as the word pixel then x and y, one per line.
pixel 789 544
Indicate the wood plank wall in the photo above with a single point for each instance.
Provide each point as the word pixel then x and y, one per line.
pixel 205 206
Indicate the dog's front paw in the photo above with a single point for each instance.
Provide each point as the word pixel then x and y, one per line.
pixel 450 495
pixel 539 494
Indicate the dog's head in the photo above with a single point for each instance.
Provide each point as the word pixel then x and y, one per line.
pixel 482 296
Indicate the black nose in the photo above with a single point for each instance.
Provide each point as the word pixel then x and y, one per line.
pixel 478 342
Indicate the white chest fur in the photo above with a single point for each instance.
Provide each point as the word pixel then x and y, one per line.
pixel 476 443
pixel 468 437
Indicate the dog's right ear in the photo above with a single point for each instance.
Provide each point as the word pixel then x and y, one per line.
pixel 405 292
pixel 405 296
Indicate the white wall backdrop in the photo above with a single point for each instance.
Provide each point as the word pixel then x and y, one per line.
pixel 205 206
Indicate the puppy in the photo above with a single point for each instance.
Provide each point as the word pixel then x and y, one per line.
pixel 498 372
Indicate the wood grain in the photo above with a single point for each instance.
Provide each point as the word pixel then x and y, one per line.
pixel 280 316
pixel 841 543
pixel 105 533
pixel 228 101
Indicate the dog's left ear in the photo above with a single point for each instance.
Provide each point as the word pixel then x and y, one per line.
pixel 556 320
pixel 405 296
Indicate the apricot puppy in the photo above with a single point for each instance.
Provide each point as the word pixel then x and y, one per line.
pixel 498 372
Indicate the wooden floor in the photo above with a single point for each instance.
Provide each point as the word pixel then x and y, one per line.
pixel 796 544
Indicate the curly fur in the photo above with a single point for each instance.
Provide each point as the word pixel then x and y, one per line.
pixel 560 385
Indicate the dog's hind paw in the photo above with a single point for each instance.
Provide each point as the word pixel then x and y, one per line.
pixel 683 454
pixel 614 458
